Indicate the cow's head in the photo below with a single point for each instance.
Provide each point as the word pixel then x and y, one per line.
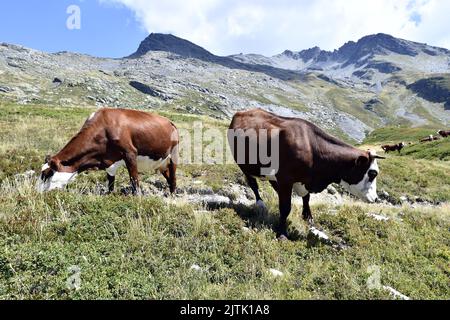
pixel 361 180
pixel 53 176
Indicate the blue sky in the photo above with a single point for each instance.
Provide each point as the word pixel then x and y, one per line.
pixel 107 30
pixel 114 28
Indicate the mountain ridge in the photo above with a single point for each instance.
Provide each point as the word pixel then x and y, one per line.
pixel 349 91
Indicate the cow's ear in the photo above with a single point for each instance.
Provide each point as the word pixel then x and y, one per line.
pixel 362 161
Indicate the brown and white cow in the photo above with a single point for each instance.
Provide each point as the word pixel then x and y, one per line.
pixel 309 160
pixel 430 138
pixel 391 148
pixel 110 139
pixel 444 133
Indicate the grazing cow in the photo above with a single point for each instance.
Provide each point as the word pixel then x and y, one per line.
pixel 444 134
pixel 430 138
pixel 112 138
pixel 392 148
pixel 309 160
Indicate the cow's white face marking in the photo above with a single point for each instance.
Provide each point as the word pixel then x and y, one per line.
pixel 365 190
pixel 301 190
pixel 57 181
pixel 144 164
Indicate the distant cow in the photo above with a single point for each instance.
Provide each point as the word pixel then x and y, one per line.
pixel 112 138
pixel 392 148
pixel 309 160
pixel 444 134
pixel 430 138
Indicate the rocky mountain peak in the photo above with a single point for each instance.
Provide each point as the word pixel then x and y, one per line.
pixel 375 44
pixel 172 44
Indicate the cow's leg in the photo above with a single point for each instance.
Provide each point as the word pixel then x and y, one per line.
pixel 171 176
pixel 307 215
pixel 274 185
pixel 285 199
pixel 253 184
pixel 111 183
pixel 131 163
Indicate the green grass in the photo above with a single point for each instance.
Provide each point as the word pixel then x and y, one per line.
pixel 398 134
pixel 403 176
pixel 421 170
pixel 437 150
pixel 140 248
pixel 144 247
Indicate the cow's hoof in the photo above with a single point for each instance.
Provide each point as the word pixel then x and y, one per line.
pixel 261 208
pixel 283 238
pixel 308 219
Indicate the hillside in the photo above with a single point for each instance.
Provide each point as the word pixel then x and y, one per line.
pixel 210 240
pixel 437 150
pixel 436 89
pixel 351 91
pixel 83 244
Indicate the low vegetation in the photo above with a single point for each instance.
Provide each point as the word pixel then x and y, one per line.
pixel 79 244
pixel 420 171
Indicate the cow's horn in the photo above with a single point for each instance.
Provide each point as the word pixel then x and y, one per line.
pixel 374 155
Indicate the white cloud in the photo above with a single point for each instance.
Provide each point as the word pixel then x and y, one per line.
pixel 271 26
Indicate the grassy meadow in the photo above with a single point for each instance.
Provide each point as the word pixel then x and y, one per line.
pixel 80 244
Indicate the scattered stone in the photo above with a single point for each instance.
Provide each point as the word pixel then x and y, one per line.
pixel 396 294
pixel 419 200
pixel 212 202
pixel 384 195
pixel 315 236
pixel 378 217
pixel 5 89
pixel 332 190
pixel 245 229
pixel 403 199
pixel 196 267
pixel 57 80
pixel 27 175
pixel 276 273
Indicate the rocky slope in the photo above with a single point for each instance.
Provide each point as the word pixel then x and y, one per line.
pixel 365 58
pixel 349 92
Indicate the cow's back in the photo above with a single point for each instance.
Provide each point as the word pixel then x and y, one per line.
pixel 150 134
pixel 294 138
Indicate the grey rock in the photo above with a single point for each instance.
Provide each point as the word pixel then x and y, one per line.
pixel 396 294
pixel 5 89
pixel 211 202
pixel 315 237
pixel 332 190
